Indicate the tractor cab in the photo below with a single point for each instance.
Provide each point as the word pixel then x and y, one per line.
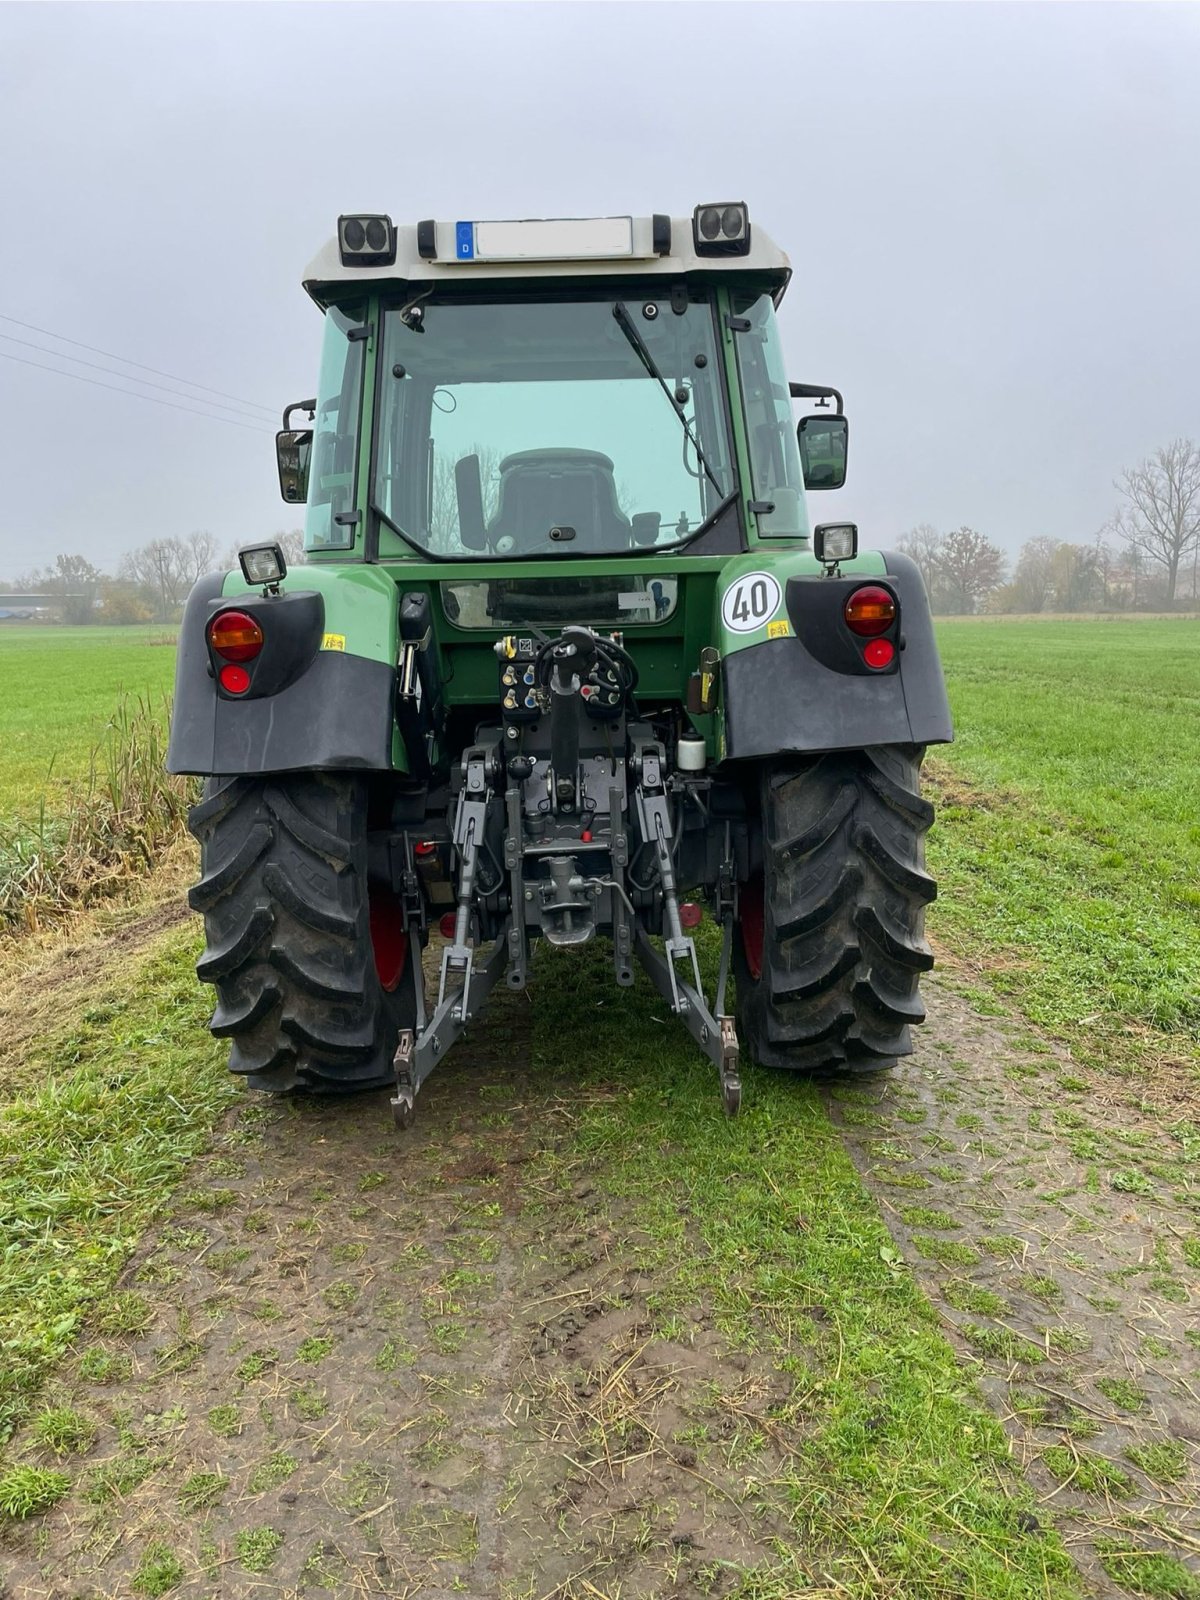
pixel 604 387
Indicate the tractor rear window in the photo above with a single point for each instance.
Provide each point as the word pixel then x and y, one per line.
pixel 574 427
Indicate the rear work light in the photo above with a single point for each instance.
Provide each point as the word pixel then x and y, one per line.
pixel 721 229
pixel 367 241
pixel 235 636
pixel 869 611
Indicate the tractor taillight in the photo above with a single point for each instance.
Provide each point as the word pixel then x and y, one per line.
pixel 235 636
pixel 879 653
pixel 869 611
pixel 234 680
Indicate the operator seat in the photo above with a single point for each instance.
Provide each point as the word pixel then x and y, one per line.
pixel 542 489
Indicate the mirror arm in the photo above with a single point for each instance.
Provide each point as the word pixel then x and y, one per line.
pixel 815 391
pixel 298 405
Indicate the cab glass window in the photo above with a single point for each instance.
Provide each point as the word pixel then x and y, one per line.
pixel 592 425
pixel 774 454
pixel 335 435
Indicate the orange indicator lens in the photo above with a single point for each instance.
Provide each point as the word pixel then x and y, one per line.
pixel 869 611
pixel 235 636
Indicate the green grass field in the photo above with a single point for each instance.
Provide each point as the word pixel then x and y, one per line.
pixel 61 686
pixel 1068 838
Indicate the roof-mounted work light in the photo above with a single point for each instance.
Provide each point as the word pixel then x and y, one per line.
pixel 722 229
pixel 367 241
pixel 263 563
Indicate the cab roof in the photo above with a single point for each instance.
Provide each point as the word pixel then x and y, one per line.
pixel 594 249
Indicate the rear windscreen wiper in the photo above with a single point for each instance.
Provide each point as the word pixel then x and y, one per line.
pixel 625 323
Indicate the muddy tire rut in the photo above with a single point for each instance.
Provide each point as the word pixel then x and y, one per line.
pixel 1052 1214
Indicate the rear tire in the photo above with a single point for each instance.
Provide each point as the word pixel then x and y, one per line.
pixel 308 998
pixel 832 939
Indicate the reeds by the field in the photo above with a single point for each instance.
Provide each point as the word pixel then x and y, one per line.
pixel 120 819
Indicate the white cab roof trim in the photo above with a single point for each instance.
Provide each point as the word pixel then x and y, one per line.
pixel 325 274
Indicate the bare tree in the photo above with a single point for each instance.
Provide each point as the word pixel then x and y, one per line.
pixel 924 545
pixel 161 569
pixel 198 555
pixel 1161 517
pixel 970 569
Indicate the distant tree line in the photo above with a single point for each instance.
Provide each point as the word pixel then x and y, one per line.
pixel 150 584
pixel 1146 558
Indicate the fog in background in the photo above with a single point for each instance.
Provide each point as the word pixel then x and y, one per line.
pixel 991 212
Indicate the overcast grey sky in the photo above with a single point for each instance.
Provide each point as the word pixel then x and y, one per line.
pixel 992 213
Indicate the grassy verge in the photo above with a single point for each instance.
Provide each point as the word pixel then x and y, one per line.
pixel 123 814
pixel 1068 843
pixel 900 1483
pixel 60 685
pixel 129 1094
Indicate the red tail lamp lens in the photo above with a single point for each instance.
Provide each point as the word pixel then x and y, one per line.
pixel 235 636
pixel 869 611
pixel 235 680
pixel 690 914
pixel 879 653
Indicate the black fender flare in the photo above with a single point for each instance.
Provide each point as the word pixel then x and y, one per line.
pixel 335 710
pixel 809 691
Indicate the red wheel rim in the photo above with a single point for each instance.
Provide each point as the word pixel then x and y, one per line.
pixel 750 915
pixel 388 938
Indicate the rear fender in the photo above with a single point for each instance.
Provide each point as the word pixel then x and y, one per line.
pixel 322 694
pixel 792 676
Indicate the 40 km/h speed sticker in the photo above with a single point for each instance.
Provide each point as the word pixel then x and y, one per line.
pixel 749 601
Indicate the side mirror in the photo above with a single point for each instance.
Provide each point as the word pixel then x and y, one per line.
pixel 468 491
pixel 293 450
pixel 823 442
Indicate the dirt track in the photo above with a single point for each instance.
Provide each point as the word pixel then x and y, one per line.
pixel 424 1365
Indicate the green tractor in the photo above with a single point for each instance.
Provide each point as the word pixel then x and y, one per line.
pixel 566 659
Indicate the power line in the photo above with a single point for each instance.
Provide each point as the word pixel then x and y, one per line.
pixel 133 394
pixel 79 344
pixel 129 378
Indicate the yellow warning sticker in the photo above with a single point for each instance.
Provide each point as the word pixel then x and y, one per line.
pixel 334 641
pixel 778 630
